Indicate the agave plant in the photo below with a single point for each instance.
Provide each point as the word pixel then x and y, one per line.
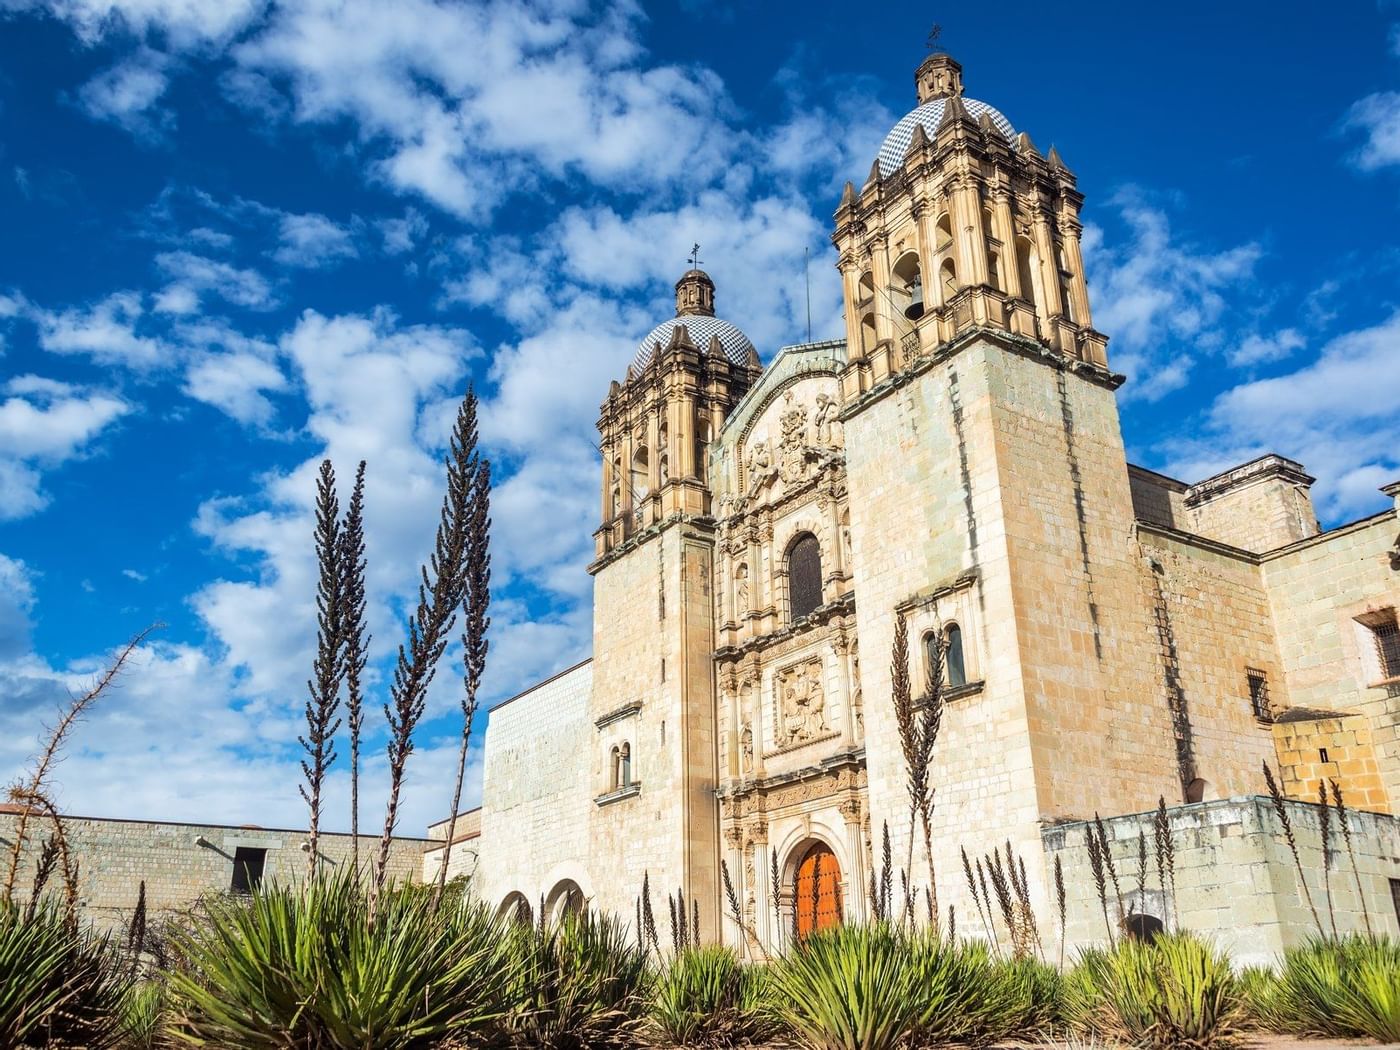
pixel 59 986
pixel 706 997
pixel 143 1016
pixel 848 988
pixel 302 966
pixel 1174 992
pixel 1348 987
pixel 576 982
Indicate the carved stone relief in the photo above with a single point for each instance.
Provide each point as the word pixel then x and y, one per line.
pixel 800 702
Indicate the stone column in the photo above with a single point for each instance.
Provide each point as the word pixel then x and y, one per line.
pixel 1001 204
pixel 1078 285
pixel 1049 265
pixel 855 902
pixel 880 273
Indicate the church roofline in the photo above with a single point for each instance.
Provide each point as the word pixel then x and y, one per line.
pixel 761 384
pixel 540 684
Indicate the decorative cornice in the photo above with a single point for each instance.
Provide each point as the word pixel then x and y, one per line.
pixel 618 714
pixel 822 615
pixel 1265 467
pixel 1016 344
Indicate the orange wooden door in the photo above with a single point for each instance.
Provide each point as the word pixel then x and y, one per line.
pixel 818 890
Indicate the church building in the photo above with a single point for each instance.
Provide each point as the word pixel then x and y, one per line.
pixel 1106 636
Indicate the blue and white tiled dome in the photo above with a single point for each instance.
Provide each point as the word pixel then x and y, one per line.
pixel 700 328
pixel 930 115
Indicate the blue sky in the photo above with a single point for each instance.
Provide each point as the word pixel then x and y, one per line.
pixel 237 236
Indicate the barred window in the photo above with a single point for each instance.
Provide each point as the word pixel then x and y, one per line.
pixel 804 576
pixel 1386 633
pixel 1259 693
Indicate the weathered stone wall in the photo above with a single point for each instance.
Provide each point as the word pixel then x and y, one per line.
pixel 180 863
pixel 1236 881
pixel 1158 498
pixel 1212 623
pixel 1257 506
pixel 1318 588
pixel 535 793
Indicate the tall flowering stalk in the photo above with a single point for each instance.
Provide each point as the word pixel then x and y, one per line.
pixel 356 642
pixel 475 603
pixel 327 670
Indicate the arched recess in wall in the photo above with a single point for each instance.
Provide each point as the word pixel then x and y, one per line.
pixel 615 491
pixel 565 898
pixel 907 286
pixel 704 434
pixel 804 573
pixel 1028 273
pixel 641 474
pixel 1198 790
pixel 516 908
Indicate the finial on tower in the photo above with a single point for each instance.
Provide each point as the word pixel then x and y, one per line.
pixel 938 76
pixel 695 292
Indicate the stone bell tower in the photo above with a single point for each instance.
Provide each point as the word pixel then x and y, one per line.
pixel 653 631
pixel 988 484
pixel 961 223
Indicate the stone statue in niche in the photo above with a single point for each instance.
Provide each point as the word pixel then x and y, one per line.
pixel 761 469
pixel 746 750
pixel 801 702
pixel 741 589
pixel 828 427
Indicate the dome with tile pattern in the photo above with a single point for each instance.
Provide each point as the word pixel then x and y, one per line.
pixel 930 115
pixel 695 308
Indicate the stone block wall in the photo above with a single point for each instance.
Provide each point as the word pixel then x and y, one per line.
pixel 536 792
pixel 1236 880
pixel 1259 506
pixel 1339 749
pixel 1320 590
pixel 180 863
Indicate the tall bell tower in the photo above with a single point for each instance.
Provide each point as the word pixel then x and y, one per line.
pixel 653 630
pixel 989 486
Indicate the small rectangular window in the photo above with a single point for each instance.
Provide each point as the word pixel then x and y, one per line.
pixel 1259 693
pixel 247 869
pixel 1322 755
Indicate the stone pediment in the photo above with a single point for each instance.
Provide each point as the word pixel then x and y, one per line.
pixel 784 431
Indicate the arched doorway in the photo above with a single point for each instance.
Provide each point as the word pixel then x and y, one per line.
pixel 817 890
pixel 565 897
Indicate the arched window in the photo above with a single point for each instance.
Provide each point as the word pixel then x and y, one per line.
pixel 865 288
pixel 933 659
pixel 994 270
pixel 641 475
pixel 867 334
pixel 955 671
pixel 948 274
pixel 804 576
pixel 943 232
pixel 625 766
pixel 615 769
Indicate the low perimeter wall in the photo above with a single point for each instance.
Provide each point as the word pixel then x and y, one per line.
pixel 179 862
pixel 1236 880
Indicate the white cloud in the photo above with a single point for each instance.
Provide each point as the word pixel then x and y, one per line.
pixel 43 424
pixel 1337 414
pixel 185 22
pixel 312 241
pixel 402 235
pixel 196 274
pixel 1161 302
pixel 1377 117
pixel 132 574
pixel 1260 349
pixel 107 332
pixel 126 94
pixel 16 602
